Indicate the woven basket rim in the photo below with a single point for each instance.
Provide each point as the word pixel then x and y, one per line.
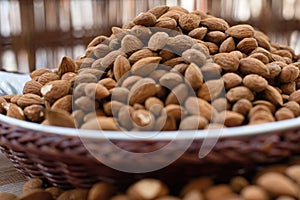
pixel 241 131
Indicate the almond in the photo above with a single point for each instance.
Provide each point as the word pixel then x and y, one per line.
pixel 121 66
pixel 253 66
pixel 240 92
pixel 284 185
pixel 247 45
pixel 199 107
pixel 272 95
pixel 193 123
pixel 216 37
pixel 255 82
pixel 240 31
pixel 64 103
pixel 32 87
pixel 289 74
pixel 189 21
pixel 60 118
pixel 227 61
pixel 283 114
pixel 262 40
pixel 167 22
pixel 179 44
pixel 101 190
pixel 254 192
pixel 39 72
pixel 211 89
pixel 178 94
pixel 131 43
pixel 260 56
pixel 55 90
pixel 295 96
pixel 101 50
pixel 158 41
pixel 194 56
pixel 35 113
pixel 145 19
pixel 229 118
pixel 198 33
pixel 109 83
pixel 231 80
pixel 143 53
pixel 142 90
pixel 242 106
pixel 66 65
pixel 145 66
pixel 47 77
pixel 193 76
pixel 227 45
pixel 218 192
pixel 170 80
pixel 130 81
pixel 12 110
pixel 294 107
pixel 158 11
pixel 143 120
pixel 96 91
pixel 147 189
pixel 109 59
pixel 215 24
pixel 30 99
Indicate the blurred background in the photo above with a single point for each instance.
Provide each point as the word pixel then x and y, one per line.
pixel 38 33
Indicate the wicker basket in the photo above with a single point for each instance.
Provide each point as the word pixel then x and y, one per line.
pixel 59 155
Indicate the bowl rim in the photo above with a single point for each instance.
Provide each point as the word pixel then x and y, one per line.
pixel 240 131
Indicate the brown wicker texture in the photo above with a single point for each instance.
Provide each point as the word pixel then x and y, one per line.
pixel 64 161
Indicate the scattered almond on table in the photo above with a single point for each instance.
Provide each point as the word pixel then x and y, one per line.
pixel 196 66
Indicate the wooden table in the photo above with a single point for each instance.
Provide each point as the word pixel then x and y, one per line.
pixel 10 179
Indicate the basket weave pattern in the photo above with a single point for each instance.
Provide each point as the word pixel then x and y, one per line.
pixel 64 161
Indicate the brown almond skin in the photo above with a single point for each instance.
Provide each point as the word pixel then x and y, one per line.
pixel 247 45
pixel 240 92
pixel 35 113
pixel 283 114
pixel 158 11
pixel 32 184
pixel 101 123
pixel 193 76
pixel 64 103
pixel 227 45
pixel 211 89
pixel 215 24
pixel 227 61
pixel 36 195
pixel 294 107
pixel 145 19
pixel 241 31
pixel 295 96
pixel 197 106
pixel 198 33
pixel 189 21
pixel 272 95
pixel 229 118
pixel 231 80
pixel 255 82
pixel 145 66
pixel 39 72
pixel 121 66
pixel 12 110
pixel 55 90
pixel 32 87
pixel 142 90
pixel 143 53
pixel 288 74
pixel 193 123
pixel 158 41
pixel 218 192
pixel 253 66
pixel 242 106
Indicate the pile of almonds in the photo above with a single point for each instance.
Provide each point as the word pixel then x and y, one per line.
pixel 278 182
pixel 167 69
